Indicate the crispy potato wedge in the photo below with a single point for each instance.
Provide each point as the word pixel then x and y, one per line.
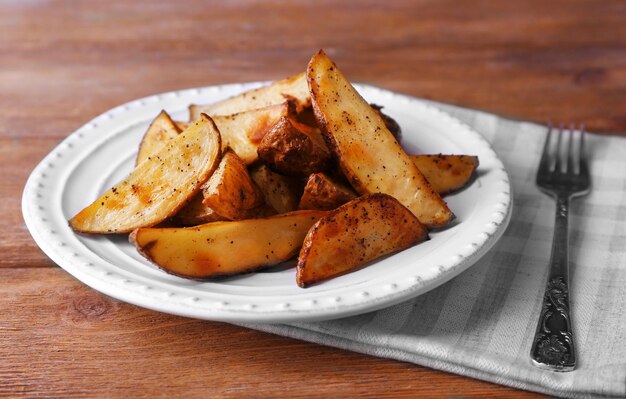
pixel 230 191
pixel 293 88
pixel 281 193
pixel 243 132
pixel 355 233
pixel 368 154
pixel 323 192
pixel 159 186
pixel 294 149
pixel 446 173
pixel 225 248
pixel 160 130
pixel 195 212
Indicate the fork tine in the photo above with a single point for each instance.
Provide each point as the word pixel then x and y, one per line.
pixel 558 162
pixel 582 158
pixel 570 169
pixel 544 164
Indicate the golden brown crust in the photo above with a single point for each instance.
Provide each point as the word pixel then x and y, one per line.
pixel 230 191
pixel 323 192
pixel 447 173
pixel 357 232
pixel 225 248
pixel 294 149
pixel 158 187
pixel 368 154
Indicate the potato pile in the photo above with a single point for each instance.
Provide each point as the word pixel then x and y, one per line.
pixel 304 166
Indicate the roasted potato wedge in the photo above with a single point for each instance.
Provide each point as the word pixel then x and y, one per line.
pixel 230 191
pixel 368 154
pixel 159 186
pixel 160 130
pixel 294 149
pixel 281 193
pixel 225 248
pixel 293 88
pixel 446 173
pixel 355 233
pixel 323 192
pixel 195 212
pixel 243 132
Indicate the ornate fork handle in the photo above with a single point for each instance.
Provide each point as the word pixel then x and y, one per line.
pixel 553 345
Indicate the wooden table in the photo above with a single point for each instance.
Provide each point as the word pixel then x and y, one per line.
pixel 63 63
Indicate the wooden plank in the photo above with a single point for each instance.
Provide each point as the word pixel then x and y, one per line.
pixel 521 61
pixel 59 338
pixel 18 156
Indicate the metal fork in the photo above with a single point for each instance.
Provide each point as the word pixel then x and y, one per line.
pixel 563 174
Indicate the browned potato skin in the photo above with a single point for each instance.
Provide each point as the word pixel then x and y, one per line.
pixel 161 129
pixel 446 173
pixel 322 192
pixel 293 88
pixel 307 117
pixel 294 149
pixel 230 191
pixel 158 187
pixel 368 154
pixel 360 231
pixel 281 193
pixel 225 248
pixel 195 212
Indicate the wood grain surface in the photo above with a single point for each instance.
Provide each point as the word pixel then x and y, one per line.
pixel 63 63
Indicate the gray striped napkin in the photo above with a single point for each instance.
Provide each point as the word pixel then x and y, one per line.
pixel 481 323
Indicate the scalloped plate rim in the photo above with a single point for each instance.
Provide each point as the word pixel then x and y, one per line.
pixel 81 265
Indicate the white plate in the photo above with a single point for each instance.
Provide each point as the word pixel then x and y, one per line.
pixel 102 152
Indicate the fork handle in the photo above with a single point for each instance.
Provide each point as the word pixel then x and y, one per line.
pixel 553 345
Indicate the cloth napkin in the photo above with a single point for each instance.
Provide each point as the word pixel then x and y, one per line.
pixel 481 323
